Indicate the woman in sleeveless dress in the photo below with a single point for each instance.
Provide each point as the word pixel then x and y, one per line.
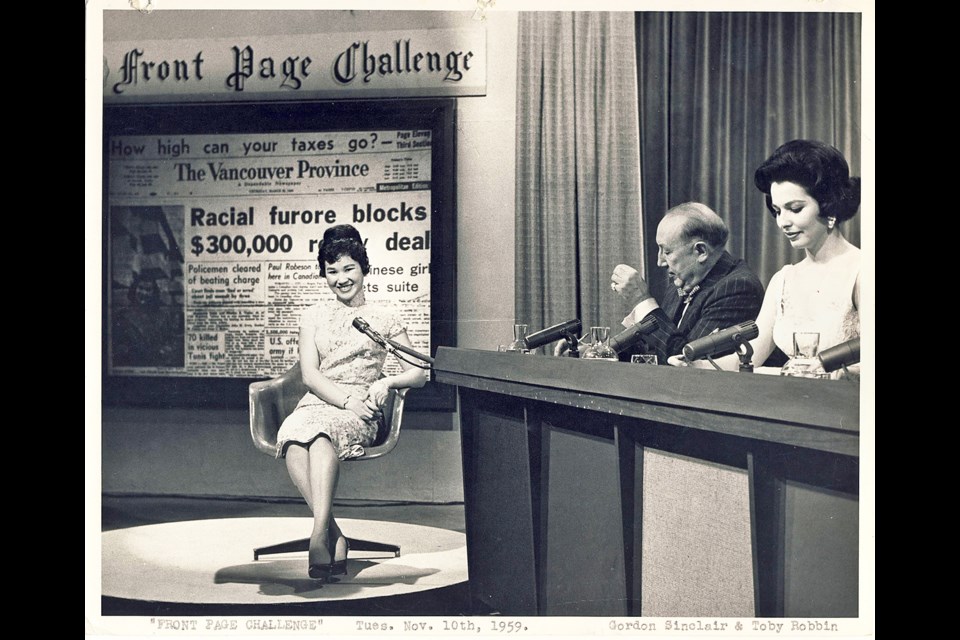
pixel 340 412
pixel 810 193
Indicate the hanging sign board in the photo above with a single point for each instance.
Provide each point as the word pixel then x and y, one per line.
pixel 383 64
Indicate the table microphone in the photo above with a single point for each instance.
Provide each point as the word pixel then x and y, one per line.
pixel 631 336
pixel 721 341
pixel 552 334
pixel 841 355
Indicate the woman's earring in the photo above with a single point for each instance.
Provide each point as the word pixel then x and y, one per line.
pixel 831 222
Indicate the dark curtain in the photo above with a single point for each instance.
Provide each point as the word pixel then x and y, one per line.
pixel 718 92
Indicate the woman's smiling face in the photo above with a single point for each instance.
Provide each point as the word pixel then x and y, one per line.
pixel 345 278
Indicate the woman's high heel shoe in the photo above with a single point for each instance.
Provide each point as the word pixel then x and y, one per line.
pixel 321 571
pixel 339 567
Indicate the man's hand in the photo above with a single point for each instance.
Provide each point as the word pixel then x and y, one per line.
pixel 628 284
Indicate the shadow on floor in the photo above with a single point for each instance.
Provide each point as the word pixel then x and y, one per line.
pixel 118 512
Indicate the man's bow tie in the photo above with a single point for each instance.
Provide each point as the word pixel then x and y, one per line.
pixel 687 296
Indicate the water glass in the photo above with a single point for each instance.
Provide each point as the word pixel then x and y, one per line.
pixel 519 344
pixel 804 363
pixel 806 344
pixel 600 348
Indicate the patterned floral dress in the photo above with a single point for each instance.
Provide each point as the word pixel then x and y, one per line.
pixel 352 361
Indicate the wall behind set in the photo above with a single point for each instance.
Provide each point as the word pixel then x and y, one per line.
pixel 209 452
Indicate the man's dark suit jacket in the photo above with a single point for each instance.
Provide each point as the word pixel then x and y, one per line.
pixel 730 294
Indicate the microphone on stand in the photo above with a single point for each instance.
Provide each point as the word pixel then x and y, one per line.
pixel 733 338
pixel 552 334
pixel 720 341
pixel 841 355
pixel 634 334
pixel 363 327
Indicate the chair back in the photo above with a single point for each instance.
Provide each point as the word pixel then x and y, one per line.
pixel 271 401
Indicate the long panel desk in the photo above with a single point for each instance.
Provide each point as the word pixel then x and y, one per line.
pixel 607 488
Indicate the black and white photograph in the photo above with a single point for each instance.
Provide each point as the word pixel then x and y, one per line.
pixel 480 318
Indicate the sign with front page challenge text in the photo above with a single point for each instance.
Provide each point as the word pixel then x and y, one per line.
pixel 384 64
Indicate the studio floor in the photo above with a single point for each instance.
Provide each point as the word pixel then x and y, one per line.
pixel 193 556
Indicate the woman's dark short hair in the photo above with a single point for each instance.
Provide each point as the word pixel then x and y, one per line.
pixel 342 240
pixel 817 167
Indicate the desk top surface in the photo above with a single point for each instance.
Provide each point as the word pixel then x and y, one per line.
pixel 822 414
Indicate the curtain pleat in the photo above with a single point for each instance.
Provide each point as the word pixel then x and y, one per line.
pixel 578 181
pixel 654 47
pixel 739 85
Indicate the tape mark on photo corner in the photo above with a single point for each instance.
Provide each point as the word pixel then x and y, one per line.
pixel 143 6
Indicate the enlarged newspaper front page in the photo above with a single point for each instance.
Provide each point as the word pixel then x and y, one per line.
pixel 214 239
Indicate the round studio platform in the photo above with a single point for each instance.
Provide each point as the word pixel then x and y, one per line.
pixel 211 562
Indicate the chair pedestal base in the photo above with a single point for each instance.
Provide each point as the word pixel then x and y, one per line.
pixel 304 545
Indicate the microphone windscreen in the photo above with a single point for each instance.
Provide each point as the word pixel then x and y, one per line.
pixel 552 334
pixel 631 336
pixel 363 327
pixel 841 355
pixel 721 341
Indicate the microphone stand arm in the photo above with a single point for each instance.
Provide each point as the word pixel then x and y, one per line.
pixel 394 346
pixel 572 344
pixel 745 351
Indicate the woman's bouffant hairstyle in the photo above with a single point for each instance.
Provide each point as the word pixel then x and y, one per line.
pixel 342 240
pixel 817 167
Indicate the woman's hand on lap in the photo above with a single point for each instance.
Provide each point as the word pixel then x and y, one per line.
pixel 378 393
pixel 362 409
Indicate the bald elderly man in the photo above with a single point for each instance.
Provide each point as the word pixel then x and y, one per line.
pixel 710 289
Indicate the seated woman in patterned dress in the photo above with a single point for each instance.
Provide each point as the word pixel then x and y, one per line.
pixel 341 368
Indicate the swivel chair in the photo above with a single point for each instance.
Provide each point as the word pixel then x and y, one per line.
pixel 273 400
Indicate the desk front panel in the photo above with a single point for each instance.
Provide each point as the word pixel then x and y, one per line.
pixel 578 507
